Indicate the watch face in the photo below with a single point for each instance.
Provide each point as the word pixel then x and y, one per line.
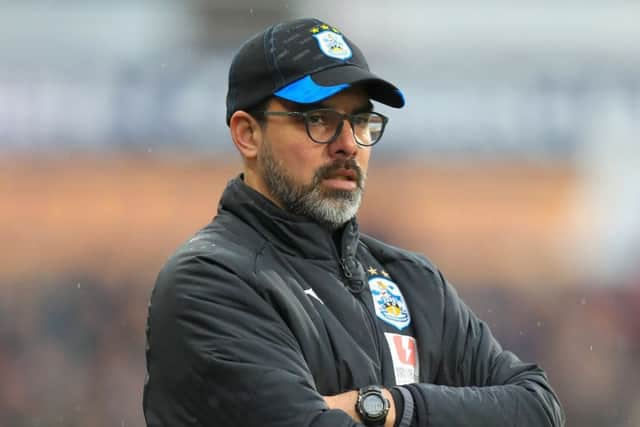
pixel 373 405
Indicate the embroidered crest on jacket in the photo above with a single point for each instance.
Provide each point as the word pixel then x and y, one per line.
pixel 389 303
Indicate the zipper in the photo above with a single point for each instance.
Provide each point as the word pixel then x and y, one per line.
pixel 346 271
pixel 358 294
pixel 354 286
pixel 374 328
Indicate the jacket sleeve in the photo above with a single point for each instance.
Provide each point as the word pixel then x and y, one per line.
pixel 220 355
pixel 480 384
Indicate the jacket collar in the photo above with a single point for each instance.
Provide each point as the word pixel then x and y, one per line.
pixel 293 234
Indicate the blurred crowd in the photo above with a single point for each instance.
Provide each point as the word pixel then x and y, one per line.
pixel 72 354
pixel 84 237
pixel 72 351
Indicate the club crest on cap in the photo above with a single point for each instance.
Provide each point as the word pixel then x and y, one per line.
pixel 331 42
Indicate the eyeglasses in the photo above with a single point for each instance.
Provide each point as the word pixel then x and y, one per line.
pixel 324 125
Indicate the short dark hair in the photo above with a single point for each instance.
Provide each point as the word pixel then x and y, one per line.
pixel 260 106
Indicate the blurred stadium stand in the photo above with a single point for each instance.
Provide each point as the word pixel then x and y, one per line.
pixel 515 167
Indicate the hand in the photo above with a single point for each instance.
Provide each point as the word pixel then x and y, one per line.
pixel 347 403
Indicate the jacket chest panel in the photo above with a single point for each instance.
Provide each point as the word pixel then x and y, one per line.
pixel 336 330
pixel 391 308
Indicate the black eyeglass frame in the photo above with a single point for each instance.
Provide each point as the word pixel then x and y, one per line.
pixel 350 117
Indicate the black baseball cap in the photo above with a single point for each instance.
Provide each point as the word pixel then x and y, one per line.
pixel 304 61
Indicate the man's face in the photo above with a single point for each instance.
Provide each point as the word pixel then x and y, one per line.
pixel 323 182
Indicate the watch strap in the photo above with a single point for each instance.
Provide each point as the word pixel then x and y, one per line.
pixel 408 407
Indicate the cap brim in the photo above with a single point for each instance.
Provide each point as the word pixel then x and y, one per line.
pixel 324 84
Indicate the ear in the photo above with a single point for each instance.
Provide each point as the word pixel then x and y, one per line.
pixel 246 134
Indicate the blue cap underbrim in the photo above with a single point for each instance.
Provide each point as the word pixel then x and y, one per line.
pixel 306 91
pixel 326 83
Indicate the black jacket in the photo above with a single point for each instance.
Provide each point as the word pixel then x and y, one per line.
pixel 261 313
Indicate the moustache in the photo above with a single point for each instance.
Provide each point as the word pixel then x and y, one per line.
pixel 331 170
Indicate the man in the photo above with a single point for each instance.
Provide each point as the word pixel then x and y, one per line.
pixel 280 313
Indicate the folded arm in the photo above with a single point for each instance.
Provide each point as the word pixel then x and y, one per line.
pixel 222 355
pixel 478 384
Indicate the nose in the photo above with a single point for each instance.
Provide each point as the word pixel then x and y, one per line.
pixel 344 146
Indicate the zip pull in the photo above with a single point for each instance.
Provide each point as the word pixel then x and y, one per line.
pixel 345 269
pixel 356 285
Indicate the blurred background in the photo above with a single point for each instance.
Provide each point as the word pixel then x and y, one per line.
pixel 515 167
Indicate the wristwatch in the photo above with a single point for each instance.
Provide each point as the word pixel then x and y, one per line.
pixel 372 406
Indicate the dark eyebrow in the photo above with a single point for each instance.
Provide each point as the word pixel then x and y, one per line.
pixel 309 107
pixel 366 108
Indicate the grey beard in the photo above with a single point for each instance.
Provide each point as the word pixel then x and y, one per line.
pixel 330 208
